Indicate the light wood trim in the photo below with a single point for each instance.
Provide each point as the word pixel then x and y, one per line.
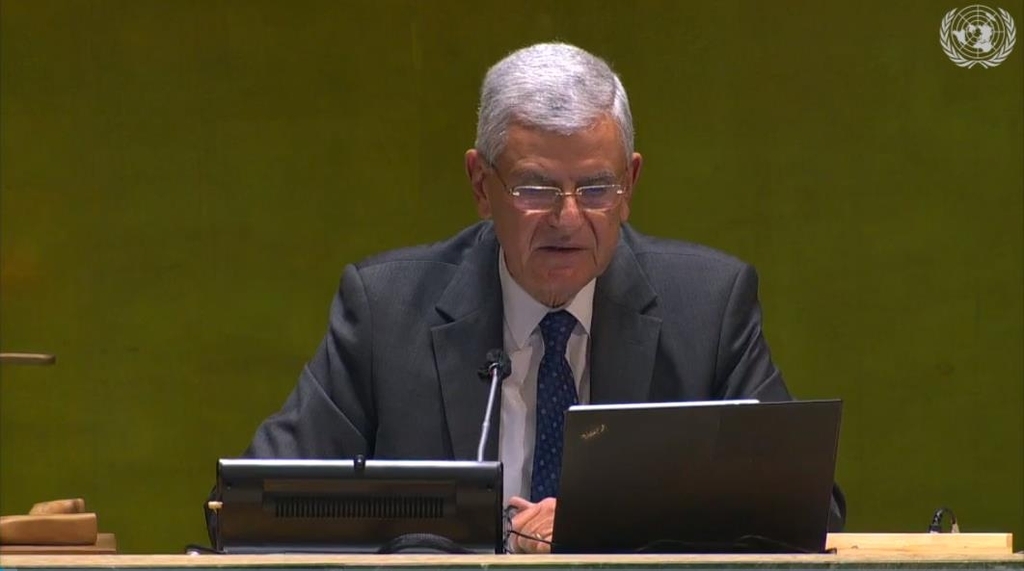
pixel 852 548
pixel 912 543
pixel 484 561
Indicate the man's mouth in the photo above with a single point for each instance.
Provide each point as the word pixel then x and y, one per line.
pixel 560 249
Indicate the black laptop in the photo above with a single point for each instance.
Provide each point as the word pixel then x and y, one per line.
pixel 705 477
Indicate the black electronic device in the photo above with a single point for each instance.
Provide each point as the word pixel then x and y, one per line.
pixel 708 477
pixel 356 506
pixel 361 505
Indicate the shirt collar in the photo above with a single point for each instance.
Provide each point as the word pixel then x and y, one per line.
pixel 523 313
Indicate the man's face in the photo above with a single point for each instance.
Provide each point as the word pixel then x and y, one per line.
pixel 553 253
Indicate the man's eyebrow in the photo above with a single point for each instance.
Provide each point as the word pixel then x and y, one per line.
pixel 602 177
pixel 533 177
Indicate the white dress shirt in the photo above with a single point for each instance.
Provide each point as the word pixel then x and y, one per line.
pixel 525 347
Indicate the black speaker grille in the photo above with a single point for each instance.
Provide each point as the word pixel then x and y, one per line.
pixel 379 507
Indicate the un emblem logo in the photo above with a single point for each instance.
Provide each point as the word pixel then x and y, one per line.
pixel 977 35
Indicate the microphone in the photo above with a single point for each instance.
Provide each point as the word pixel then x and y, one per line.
pixel 497 368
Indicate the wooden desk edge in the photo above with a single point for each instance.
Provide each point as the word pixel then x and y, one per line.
pixel 852 548
pixel 313 561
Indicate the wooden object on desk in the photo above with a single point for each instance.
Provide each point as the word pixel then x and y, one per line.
pixel 55 527
pixel 917 543
pixel 50 529
pixel 105 544
pixel 69 506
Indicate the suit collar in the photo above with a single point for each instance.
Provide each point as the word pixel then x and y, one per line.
pixel 522 313
pixel 472 288
pixel 624 338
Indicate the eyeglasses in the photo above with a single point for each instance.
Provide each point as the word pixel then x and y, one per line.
pixel 542 197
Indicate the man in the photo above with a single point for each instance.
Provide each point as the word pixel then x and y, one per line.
pixel 588 309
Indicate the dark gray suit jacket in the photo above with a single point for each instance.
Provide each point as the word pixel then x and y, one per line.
pixel 396 373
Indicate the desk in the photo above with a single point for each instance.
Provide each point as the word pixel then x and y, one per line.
pixel 507 562
pixel 854 551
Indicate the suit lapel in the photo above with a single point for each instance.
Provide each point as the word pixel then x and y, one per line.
pixel 624 339
pixel 472 304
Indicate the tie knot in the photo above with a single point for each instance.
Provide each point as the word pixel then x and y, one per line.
pixel 556 327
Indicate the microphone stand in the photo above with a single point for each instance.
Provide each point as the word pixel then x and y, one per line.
pixel 495 371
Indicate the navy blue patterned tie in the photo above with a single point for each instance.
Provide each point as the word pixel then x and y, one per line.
pixel 556 392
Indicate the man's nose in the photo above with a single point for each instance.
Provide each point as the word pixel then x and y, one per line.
pixel 567 212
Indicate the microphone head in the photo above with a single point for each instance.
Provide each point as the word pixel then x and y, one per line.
pixel 496 360
pixel 504 366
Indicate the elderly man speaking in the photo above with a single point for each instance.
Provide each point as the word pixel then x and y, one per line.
pixel 588 309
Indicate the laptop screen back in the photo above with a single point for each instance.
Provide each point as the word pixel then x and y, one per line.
pixel 697 477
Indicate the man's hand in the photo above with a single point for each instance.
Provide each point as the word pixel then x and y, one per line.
pixel 535 524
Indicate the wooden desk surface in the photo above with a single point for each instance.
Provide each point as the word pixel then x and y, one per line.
pixel 484 562
pixel 853 551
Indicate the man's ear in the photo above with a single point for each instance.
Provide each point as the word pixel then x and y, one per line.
pixel 635 163
pixel 476 169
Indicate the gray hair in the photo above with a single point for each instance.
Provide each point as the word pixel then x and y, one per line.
pixel 556 87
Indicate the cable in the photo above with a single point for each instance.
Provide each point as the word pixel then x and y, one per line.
pixel 196 549
pixel 936 525
pixel 742 544
pixel 507 514
pixel 531 537
pixel 422 543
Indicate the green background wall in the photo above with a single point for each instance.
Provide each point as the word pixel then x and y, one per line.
pixel 183 181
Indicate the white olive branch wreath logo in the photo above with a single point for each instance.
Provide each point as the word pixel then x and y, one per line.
pixel 997 57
